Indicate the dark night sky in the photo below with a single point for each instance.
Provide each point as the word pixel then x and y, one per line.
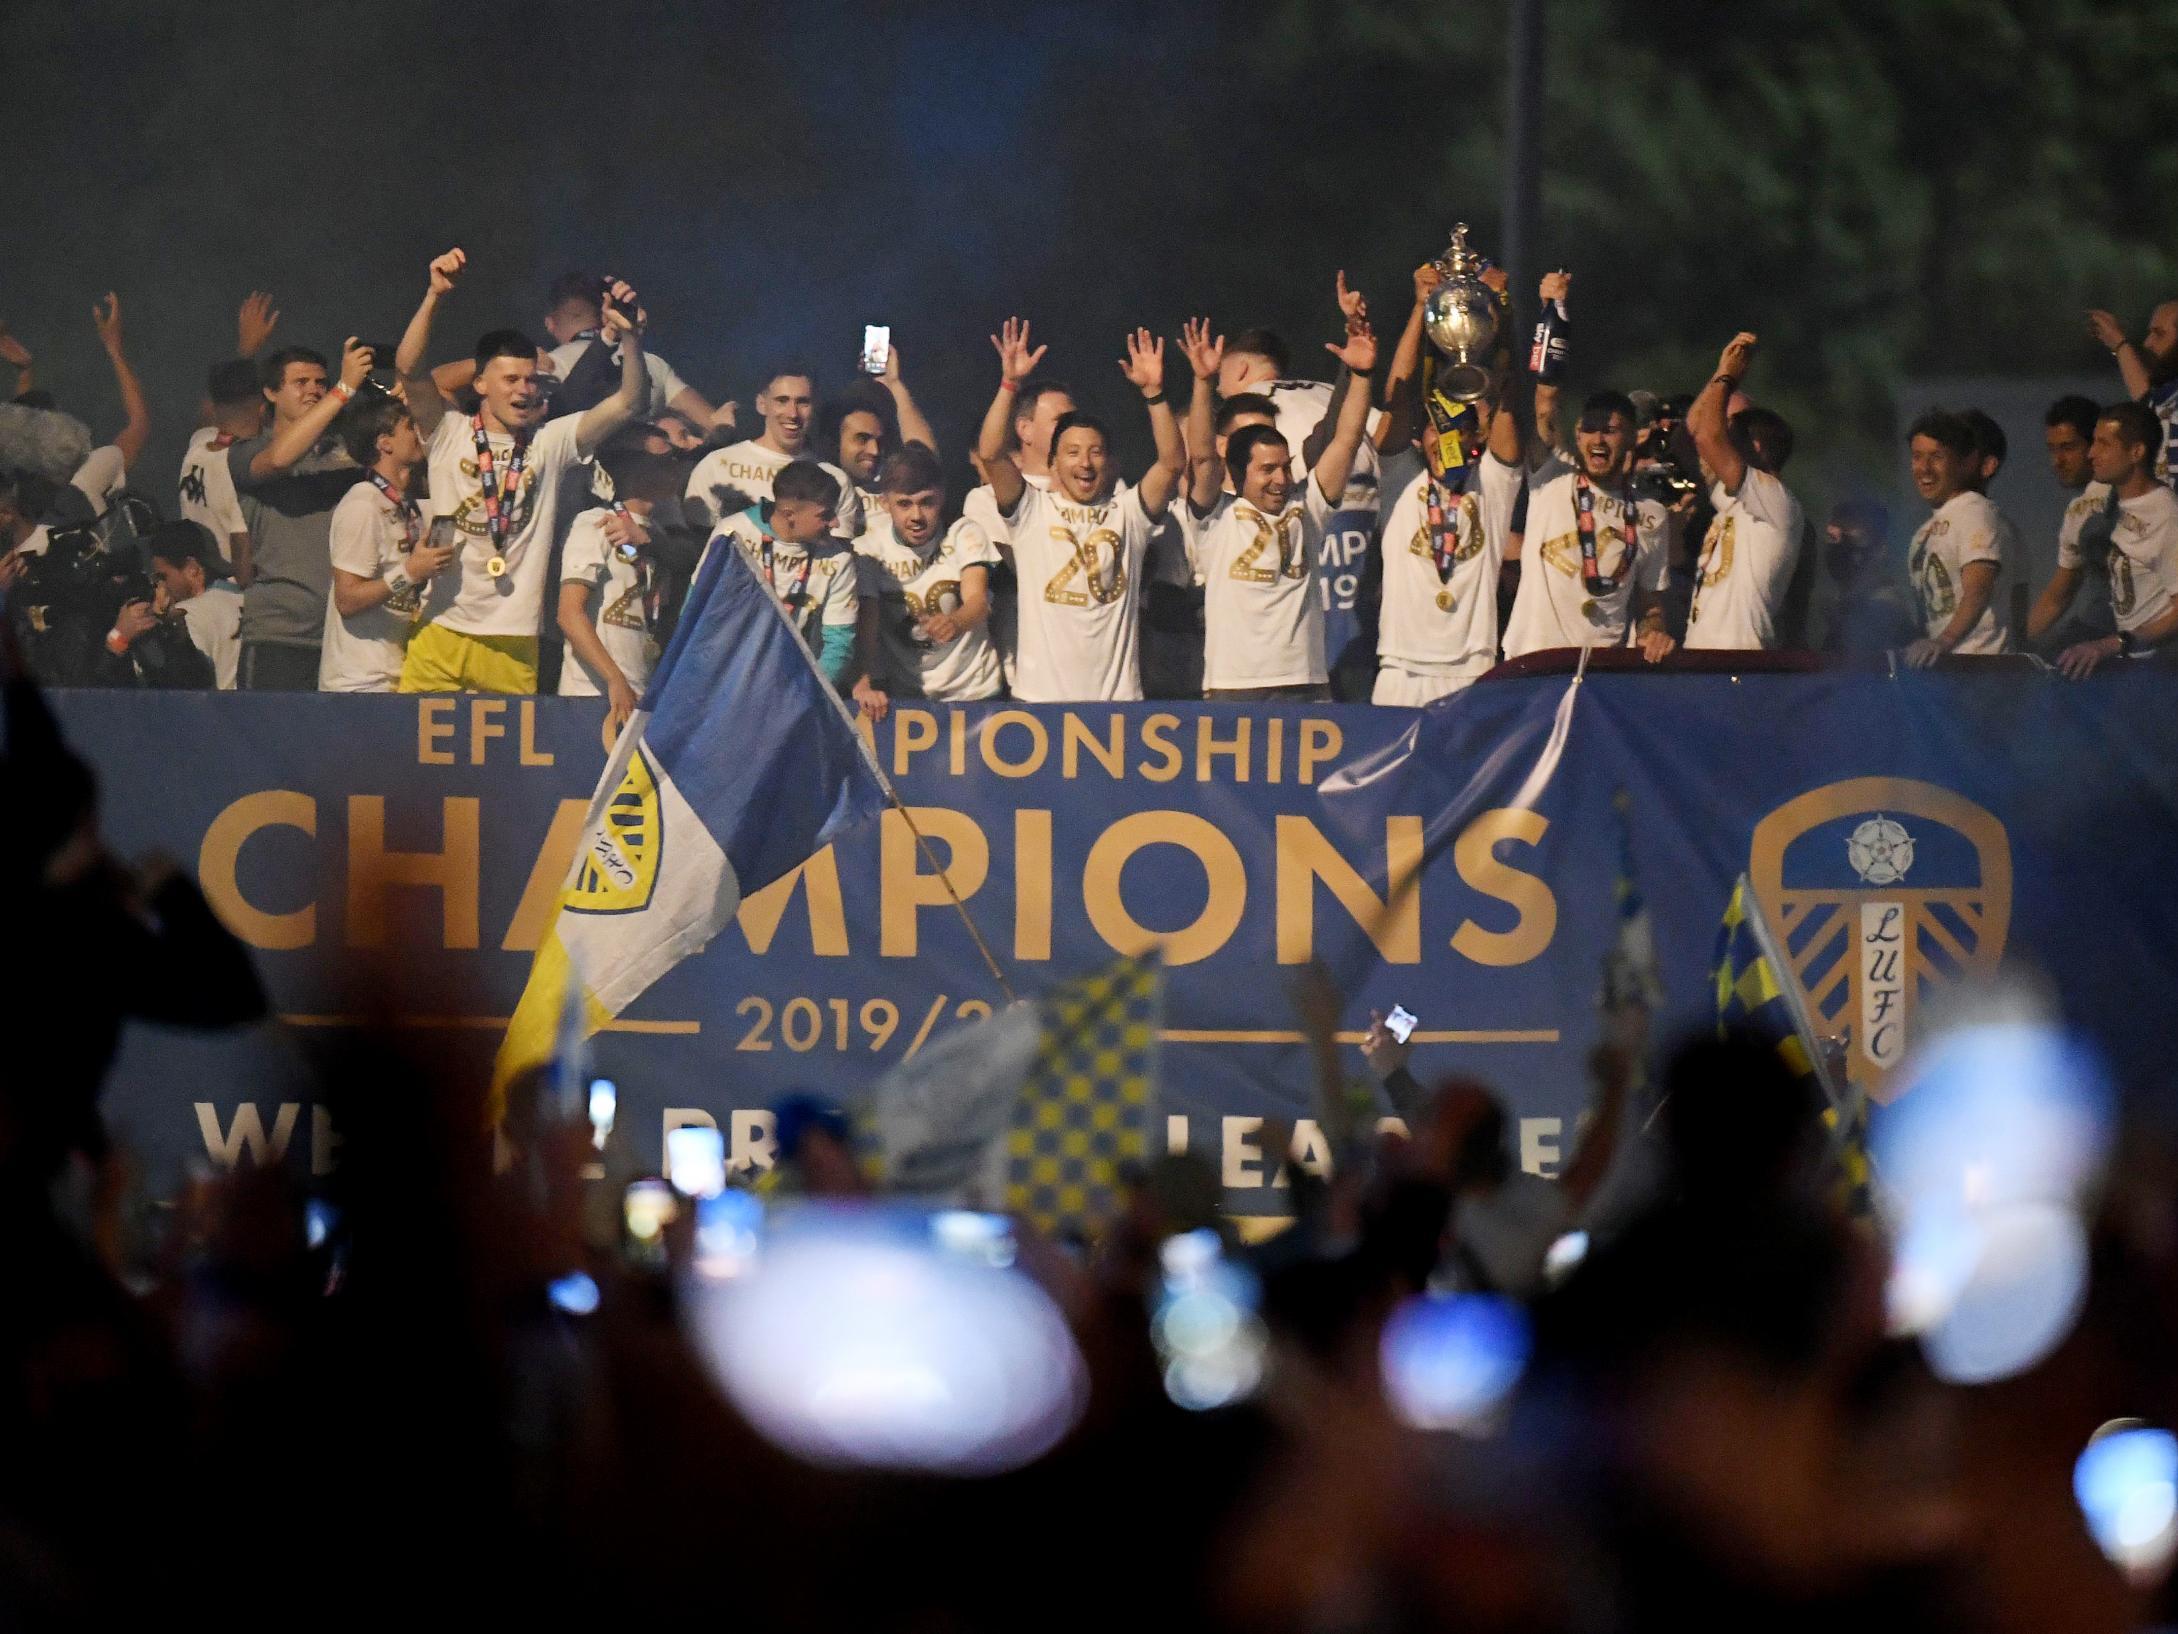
pixel 772 177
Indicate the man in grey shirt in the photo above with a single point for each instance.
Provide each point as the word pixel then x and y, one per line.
pixel 287 484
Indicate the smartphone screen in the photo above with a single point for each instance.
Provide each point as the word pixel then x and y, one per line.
pixel 442 531
pixel 1401 1023
pixel 876 347
pixel 696 1160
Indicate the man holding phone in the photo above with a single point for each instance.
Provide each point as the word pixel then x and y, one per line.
pixel 503 474
pixel 384 558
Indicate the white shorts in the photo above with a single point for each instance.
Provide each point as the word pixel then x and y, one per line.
pixel 1407 689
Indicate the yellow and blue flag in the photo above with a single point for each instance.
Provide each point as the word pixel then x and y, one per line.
pixel 1757 993
pixel 738 766
pixel 1085 1114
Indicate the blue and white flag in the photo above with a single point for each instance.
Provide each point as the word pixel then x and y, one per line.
pixel 738 766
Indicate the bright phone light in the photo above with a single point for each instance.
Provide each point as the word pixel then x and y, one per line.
pixel 1451 1360
pixel 853 1341
pixel 2127 1485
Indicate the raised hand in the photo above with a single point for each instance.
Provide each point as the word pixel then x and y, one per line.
pixel 1359 351
pixel 1016 362
pixel 1144 364
pixel 106 316
pixel 1738 356
pixel 1427 277
pixel 1556 285
pixel 356 363
pixel 1353 305
pixel 13 351
pixel 1204 355
pixel 889 375
pixel 446 271
pixel 254 323
pixel 2108 332
pixel 614 322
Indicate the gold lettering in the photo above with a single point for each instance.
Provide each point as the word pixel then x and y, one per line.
pixel 759 915
pixel 1207 747
pixel 432 727
pixel 1393 922
pixel 1157 733
pixel 904 889
pixel 1039 743
pixel 222 849
pixel 531 754
pixel 1031 884
pixel 1320 741
pixel 1274 750
pixel 542 894
pixel 1075 736
pixel 453 871
pixel 484 725
pixel 1226 877
pixel 913 730
pixel 958 763
pixel 1474 854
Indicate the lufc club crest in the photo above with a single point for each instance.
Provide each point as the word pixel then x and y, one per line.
pixel 1880 889
pixel 618 865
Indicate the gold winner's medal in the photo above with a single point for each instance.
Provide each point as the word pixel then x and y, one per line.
pixel 1444 601
pixel 496 567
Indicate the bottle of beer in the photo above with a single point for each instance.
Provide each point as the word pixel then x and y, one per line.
pixel 1546 356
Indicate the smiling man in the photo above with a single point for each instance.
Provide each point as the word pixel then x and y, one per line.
pixel 1957 554
pixel 504 476
pixel 729 479
pixel 1078 545
pixel 1595 560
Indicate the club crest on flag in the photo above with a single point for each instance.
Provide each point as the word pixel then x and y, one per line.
pixel 1881 888
pixel 618 870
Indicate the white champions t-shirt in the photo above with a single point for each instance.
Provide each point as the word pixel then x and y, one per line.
pixel 815 588
pixel 1554 606
pixel 749 469
pixel 907 584
pixel 215 625
pixel 1262 618
pixel 1746 564
pixel 1964 529
pixel 363 653
pixel 207 487
pixel 2142 562
pixel 981 508
pixel 467 598
pixel 665 383
pixel 1443 628
pixel 616 608
pixel 1080 571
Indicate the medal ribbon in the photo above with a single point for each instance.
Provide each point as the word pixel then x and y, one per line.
pixel 403 507
pixel 1584 506
pixel 500 493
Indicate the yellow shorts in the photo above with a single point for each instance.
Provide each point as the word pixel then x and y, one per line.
pixel 443 660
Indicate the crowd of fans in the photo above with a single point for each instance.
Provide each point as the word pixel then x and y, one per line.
pixel 529 517
pixel 463 1372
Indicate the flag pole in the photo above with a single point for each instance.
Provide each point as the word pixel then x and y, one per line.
pixel 869 759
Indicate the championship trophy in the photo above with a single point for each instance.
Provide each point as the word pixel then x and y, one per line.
pixel 1462 321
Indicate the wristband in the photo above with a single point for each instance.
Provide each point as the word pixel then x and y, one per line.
pixel 1731 381
pixel 1154 398
pixel 2127 646
pixel 117 643
pixel 398 582
pixel 1008 385
pixel 343 391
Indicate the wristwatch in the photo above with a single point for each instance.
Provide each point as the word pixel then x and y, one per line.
pixel 2127 646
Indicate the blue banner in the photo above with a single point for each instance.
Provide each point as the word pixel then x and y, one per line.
pixel 1461 861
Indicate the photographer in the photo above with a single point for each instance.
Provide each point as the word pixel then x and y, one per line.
pixel 87 612
pixel 186 561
